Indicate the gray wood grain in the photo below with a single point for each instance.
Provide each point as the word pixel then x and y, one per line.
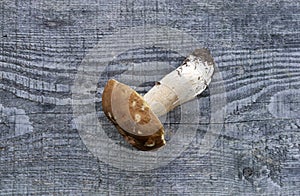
pixel 256 46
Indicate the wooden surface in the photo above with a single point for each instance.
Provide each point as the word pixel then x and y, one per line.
pixel 256 46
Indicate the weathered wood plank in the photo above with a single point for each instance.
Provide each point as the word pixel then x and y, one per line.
pixel 256 46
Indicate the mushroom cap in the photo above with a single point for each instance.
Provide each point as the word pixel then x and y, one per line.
pixel 132 116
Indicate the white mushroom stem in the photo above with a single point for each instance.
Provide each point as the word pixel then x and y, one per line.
pixel 183 84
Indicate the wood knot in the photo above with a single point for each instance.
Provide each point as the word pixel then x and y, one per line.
pixel 247 172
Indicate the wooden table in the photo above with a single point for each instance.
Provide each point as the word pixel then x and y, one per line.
pixel 243 137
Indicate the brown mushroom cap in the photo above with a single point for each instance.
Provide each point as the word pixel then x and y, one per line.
pixel 132 116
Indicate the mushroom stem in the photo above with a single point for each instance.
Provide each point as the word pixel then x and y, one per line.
pixel 183 84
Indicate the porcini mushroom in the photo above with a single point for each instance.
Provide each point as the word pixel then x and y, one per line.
pixel 136 117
